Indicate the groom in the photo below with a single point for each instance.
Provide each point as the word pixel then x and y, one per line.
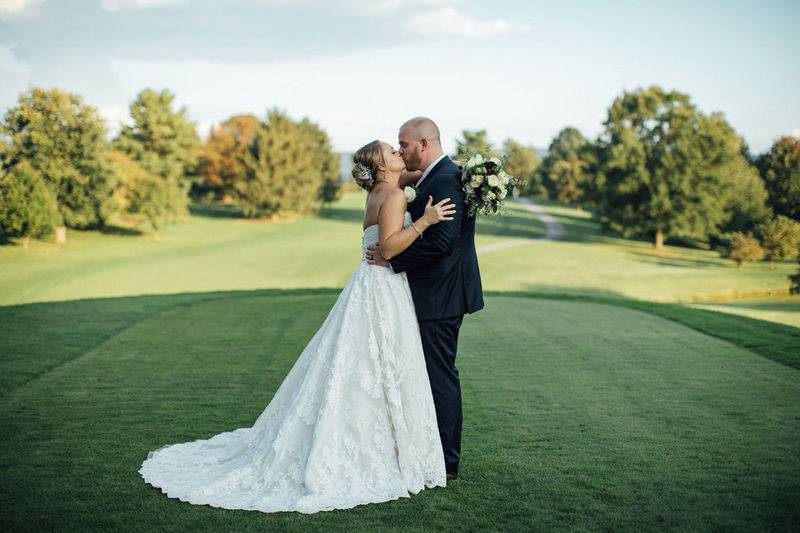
pixel 442 270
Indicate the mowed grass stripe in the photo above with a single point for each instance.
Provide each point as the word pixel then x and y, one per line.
pixel 578 415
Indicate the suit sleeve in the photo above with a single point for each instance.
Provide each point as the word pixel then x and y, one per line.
pixel 439 240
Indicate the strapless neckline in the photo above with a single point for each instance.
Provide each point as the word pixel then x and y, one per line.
pixel 406 217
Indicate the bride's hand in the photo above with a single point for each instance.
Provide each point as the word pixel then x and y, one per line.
pixel 435 213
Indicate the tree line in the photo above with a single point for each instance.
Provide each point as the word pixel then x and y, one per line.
pixel 59 169
pixel 662 169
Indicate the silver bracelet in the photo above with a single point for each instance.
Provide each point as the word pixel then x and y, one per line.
pixel 415 229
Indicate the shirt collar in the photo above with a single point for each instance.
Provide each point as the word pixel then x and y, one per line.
pixel 430 167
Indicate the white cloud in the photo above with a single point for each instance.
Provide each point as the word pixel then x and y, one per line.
pixel 116 5
pixel 449 21
pixel 796 133
pixel 15 8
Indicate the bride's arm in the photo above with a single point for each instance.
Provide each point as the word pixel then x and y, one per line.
pixel 408 177
pixel 392 236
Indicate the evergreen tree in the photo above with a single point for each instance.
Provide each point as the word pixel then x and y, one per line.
pixel 287 167
pixel 521 162
pixel 780 238
pixel 142 193
pixel 63 141
pixel 325 159
pixel 564 170
pixel 780 169
pixel 27 207
pixel 165 144
pixel 474 142
pixel 664 168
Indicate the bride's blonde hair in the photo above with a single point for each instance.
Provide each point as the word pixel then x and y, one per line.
pixel 365 164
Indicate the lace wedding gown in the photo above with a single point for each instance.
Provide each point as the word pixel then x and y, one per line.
pixel 352 423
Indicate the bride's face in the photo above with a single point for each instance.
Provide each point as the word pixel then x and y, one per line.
pixel 394 161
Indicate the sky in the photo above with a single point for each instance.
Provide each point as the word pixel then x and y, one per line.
pixel 360 68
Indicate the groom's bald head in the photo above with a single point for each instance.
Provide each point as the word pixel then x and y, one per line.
pixel 420 142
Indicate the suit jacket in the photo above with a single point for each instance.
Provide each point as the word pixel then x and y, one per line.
pixel 442 266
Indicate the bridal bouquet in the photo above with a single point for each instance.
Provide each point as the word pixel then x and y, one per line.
pixel 486 185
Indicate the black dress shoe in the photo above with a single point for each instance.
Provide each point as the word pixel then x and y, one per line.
pixel 451 477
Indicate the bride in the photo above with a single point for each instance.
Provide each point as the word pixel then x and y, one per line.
pixel 353 421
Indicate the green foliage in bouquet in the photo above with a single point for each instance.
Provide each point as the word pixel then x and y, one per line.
pixel 486 185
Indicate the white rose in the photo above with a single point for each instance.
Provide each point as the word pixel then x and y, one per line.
pixel 495 160
pixel 502 194
pixel 472 161
pixel 477 180
pixel 503 178
pixel 493 181
pixel 489 195
pixel 410 194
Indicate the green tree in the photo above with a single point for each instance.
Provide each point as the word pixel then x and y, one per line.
pixel 287 167
pixel 780 169
pixel 664 168
pixel 63 141
pixel 165 144
pixel 521 162
pixel 326 160
pixel 744 247
pixel 746 197
pixel 780 238
pixel 27 207
pixel 141 193
pixel 564 170
pixel 474 142
pixel 221 163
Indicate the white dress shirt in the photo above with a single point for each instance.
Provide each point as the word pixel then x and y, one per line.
pixel 428 169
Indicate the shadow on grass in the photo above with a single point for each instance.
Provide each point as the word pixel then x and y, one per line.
pixel 121 230
pixel 215 211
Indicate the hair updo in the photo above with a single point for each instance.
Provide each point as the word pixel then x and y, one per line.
pixel 365 164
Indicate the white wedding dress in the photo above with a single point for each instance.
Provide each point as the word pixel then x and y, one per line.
pixel 352 423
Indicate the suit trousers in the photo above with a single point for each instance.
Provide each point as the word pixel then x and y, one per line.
pixel 439 344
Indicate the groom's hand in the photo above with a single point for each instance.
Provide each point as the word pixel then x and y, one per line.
pixel 374 256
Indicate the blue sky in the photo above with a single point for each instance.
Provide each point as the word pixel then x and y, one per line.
pixel 359 68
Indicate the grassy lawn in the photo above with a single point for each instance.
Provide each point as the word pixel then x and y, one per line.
pixel 595 398
pixel 214 251
pixel 580 413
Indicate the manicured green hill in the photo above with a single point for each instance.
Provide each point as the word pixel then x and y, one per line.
pixel 578 414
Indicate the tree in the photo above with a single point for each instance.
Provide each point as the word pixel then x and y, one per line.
pixel 165 144
pixel 780 238
pixel 287 167
pixel 746 198
pixel 521 162
pixel 221 161
pixel 563 171
pixel 326 160
pixel 744 247
pixel 142 193
pixel 664 168
pixel 474 142
pixel 63 141
pixel 780 169
pixel 27 207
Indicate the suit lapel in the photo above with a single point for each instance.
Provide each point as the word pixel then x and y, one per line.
pixel 422 191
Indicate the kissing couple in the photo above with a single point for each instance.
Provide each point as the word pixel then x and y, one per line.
pixel 371 410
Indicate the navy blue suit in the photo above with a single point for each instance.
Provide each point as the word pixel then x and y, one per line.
pixel 445 282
